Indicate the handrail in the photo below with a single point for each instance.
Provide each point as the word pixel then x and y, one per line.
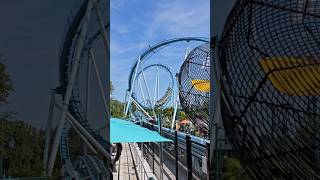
pixel 142 168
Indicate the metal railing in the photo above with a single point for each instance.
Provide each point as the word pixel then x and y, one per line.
pixel 140 163
pixel 184 158
pixel 24 178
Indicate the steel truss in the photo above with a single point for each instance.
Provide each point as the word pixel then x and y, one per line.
pixel 82 33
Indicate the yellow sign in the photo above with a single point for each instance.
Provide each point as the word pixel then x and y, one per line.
pixel 294 76
pixel 201 85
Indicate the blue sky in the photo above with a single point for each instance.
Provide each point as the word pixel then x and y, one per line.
pixel 136 24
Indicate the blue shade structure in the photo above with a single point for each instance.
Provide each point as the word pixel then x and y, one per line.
pixel 122 131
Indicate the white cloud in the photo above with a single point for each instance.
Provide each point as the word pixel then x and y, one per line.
pixel 117 4
pixel 163 19
pixel 143 45
pixel 180 18
pixel 119 29
pixel 116 49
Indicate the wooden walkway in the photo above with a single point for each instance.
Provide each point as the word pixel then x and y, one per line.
pixel 131 165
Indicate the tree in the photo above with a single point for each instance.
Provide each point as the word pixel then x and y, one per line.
pixel 25 157
pixel 111 88
pixel 233 170
pixel 182 115
pixel 21 145
pixel 5 84
pixel 116 108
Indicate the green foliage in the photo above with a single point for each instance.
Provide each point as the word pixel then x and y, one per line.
pixel 182 115
pixel 25 157
pixel 5 84
pixel 116 108
pixel 168 112
pixel 111 88
pixel 233 170
pixel 21 146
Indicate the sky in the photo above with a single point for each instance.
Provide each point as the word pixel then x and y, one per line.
pixel 31 33
pixel 137 24
pixel 30 36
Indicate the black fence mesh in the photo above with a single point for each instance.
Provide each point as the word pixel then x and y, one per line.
pixel 270 61
pixel 194 86
pixel 196 166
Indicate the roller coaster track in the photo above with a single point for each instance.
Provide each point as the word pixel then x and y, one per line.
pixel 66 54
pixel 163 100
pixel 153 49
pixel 145 55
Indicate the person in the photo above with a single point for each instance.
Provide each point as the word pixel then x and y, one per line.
pixel 119 149
pixel 117 156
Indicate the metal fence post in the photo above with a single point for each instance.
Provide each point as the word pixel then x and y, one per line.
pixel 176 153
pixel 160 147
pixel 153 158
pixel 189 157
pixel 208 160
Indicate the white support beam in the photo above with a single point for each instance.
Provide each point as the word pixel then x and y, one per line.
pixel 155 91
pixel 146 85
pixel 48 131
pixel 102 94
pixel 106 42
pixel 86 141
pixel 87 98
pixel 141 108
pixel 141 89
pixel 102 27
pixel 173 122
pixel 132 85
pixel 74 70
pixel 89 138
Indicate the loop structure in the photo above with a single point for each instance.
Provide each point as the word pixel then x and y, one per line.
pixel 194 86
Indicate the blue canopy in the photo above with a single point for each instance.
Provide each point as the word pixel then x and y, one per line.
pixel 122 131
